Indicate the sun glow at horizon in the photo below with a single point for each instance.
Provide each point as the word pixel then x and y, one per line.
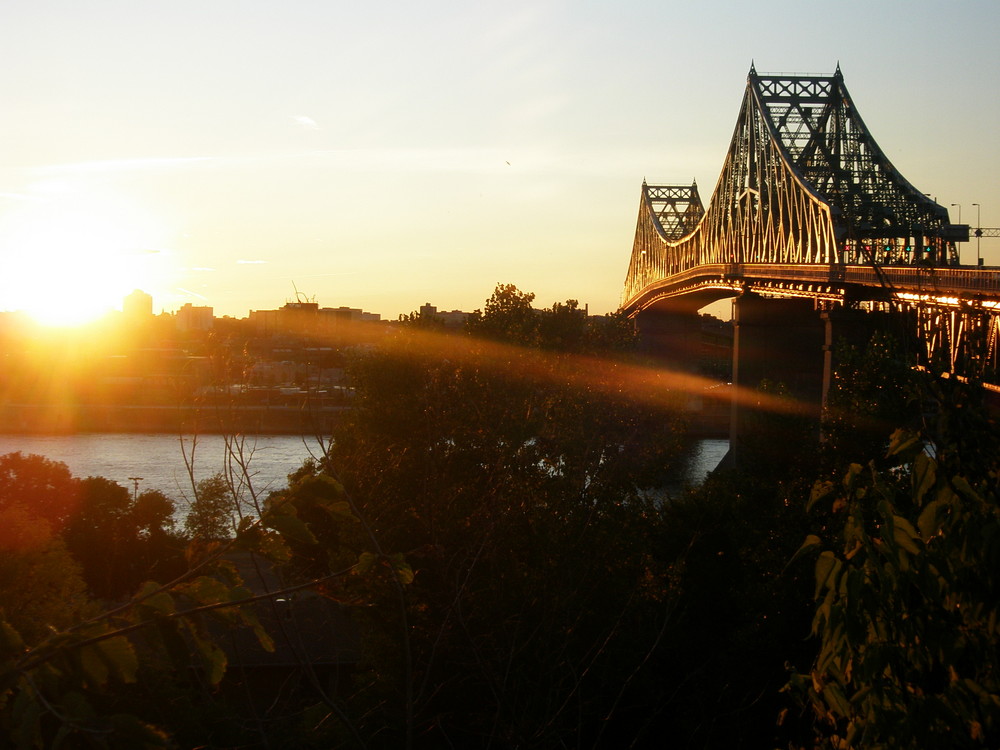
pixel 69 259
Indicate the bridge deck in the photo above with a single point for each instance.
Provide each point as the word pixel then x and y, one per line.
pixel 944 285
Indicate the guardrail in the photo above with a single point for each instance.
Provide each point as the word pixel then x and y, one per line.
pixel 940 281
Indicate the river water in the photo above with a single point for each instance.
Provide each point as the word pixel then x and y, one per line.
pixel 160 459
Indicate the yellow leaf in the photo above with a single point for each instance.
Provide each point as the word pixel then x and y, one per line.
pixel 827 567
pixel 976 730
pixel 811 541
pixel 403 570
pixel 365 562
pixel 93 666
pixel 902 536
pixel 120 656
pixel 924 475
pixel 819 491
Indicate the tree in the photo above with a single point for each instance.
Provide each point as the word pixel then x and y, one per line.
pixel 739 614
pixel 41 588
pixel 872 393
pixel 75 677
pixel 211 515
pixel 45 488
pixel 423 319
pixel 507 316
pixel 513 483
pixel 563 327
pixel 908 597
pixel 153 513
pixel 121 540
pixel 101 536
pixel 611 333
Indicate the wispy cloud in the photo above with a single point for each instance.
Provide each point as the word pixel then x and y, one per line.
pixel 193 294
pixel 305 122
pixel 250 262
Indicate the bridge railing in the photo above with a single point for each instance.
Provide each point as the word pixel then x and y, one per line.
pixel 957 281
pixel 942 283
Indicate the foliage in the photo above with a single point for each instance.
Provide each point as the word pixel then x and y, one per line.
pixel 45 488
pixel 153 513
pixel 614 332
pixel 494 537
pixel 512 483
pixel 491 512
pixel 871 394
pixel 70 685
pixel 41 587
pixel 779 442
pixel 507 316
pixel 212 512
pixel 740 615
pixel 424 320
pixel 76 682
pixel 907 598
pixel 119 539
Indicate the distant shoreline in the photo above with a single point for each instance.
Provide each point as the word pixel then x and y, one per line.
pixel 72 419
pixel 69 419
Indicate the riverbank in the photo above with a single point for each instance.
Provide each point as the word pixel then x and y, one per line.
pixel 171 464
pixel 69 419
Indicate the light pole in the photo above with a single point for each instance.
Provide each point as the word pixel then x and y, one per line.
pixel 979 232
pixel 959 221
pixel 135 482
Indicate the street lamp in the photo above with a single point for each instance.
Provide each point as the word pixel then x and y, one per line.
pixel 979 232
pixel 135 482
pixel 959 221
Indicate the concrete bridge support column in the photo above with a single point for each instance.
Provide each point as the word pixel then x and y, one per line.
pixel 783 342
pixel 672 336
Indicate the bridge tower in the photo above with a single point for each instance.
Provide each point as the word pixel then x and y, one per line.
pixel 811 227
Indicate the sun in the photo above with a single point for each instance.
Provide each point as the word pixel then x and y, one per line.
pixel 71 258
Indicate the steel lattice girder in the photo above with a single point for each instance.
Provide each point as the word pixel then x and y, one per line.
pixel 803 183
pixel 830 146
pixel 962 340
pixel 677 208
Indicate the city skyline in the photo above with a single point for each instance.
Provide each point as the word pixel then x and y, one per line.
pixel 235 155
pixel 140 304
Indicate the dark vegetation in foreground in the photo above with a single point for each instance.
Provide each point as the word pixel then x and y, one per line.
pixel 478 557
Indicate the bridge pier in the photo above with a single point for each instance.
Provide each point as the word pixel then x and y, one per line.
pixel 781 341
pixel 788 342
pixel 671 335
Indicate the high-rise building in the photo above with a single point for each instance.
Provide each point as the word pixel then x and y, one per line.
pixel 138 305
pixel 191 318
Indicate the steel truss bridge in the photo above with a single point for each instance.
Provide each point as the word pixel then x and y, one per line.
pixel 809 207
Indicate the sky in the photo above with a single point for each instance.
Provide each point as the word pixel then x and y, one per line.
pixel 241 154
